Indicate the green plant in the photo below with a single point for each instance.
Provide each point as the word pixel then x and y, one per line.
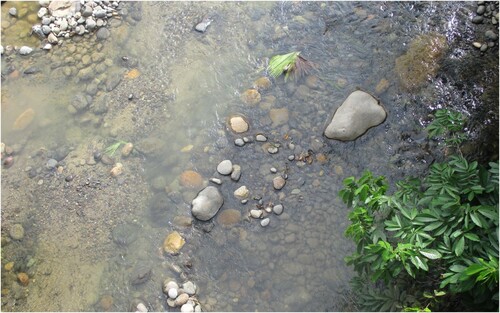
pixel 449 124
pixel 290 63
pixel 111 149
pixel 438 233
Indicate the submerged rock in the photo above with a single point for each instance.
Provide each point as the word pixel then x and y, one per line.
pixel 359 112
pixel 207 203
pixel 173 243
pixel 421 61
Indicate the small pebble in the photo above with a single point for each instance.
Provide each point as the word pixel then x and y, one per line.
pixel 476 44
pixel 291 157
pixel 272 150
pixel 13 11
pixel 172 293
pixel 225 167
pixel 69 178
pixel 265 222
pixel 278 209
pixel 247 139
pixel 216 181
pixel 239 142
pixel 484 47
pixel 51 164
pixel 25 50
pixel 273 170
pixel 278 182
pixel 244 201
pixel 236 174
pixel 256 213
pixel 260 138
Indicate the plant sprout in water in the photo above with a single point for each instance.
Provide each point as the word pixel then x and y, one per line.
pixel 110 150
pixel 290 63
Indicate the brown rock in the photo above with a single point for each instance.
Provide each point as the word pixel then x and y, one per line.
pixel 382 86
pixel 173 243
pixel 133 74
pixel 279 182
pixel 262 83
pixel 251 96
pixel 183 221
pixel 23 279
pixel 229 217
pixel 23 120
pixel 127 149
pixel 321 158
pixel 191 179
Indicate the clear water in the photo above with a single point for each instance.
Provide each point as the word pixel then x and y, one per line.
pixel 189 84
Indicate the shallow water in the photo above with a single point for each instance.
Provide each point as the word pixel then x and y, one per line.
pixel 189 84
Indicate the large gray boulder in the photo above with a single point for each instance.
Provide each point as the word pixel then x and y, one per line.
pixel 207 203
pixel 359 112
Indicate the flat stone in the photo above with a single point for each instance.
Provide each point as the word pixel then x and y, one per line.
pixel 359 112
pixel 239 142
pixel 225 167
pixel 207 203
pixel 189 288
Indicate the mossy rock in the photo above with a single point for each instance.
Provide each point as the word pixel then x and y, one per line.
pixel 421 61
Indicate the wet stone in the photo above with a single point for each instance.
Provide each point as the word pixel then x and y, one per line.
pixel 236 174
pixel 260 138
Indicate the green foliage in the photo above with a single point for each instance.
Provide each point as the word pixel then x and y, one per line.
pixel 290 63
pixel 448 123
pixel 438 233
pixel 111 149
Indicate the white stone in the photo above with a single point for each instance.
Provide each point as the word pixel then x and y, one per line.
pixel 242 193
pixel 25 50
pixel 256 213
pixel 42 12
pixel 13 11
pixel 359 112
pixel 225 167
pixel 189 287
pixel 172 293
pixel 52 39
pixel 187 307
pixel 260 138
pixel 216 181
pixel 141 307
pixel 171 284
pixel 265 222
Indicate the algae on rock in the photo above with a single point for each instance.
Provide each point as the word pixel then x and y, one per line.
pixel 421 61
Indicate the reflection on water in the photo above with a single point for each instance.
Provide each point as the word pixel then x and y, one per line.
pixel 169 90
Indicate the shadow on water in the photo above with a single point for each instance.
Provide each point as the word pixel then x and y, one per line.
pixel 175 110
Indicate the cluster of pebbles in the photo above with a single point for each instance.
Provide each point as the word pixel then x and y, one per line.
pixel 487 14
pixel 64 19
pixel 261 210
pixel 183 297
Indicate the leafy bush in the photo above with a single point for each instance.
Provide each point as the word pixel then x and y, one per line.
pixel 433 243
